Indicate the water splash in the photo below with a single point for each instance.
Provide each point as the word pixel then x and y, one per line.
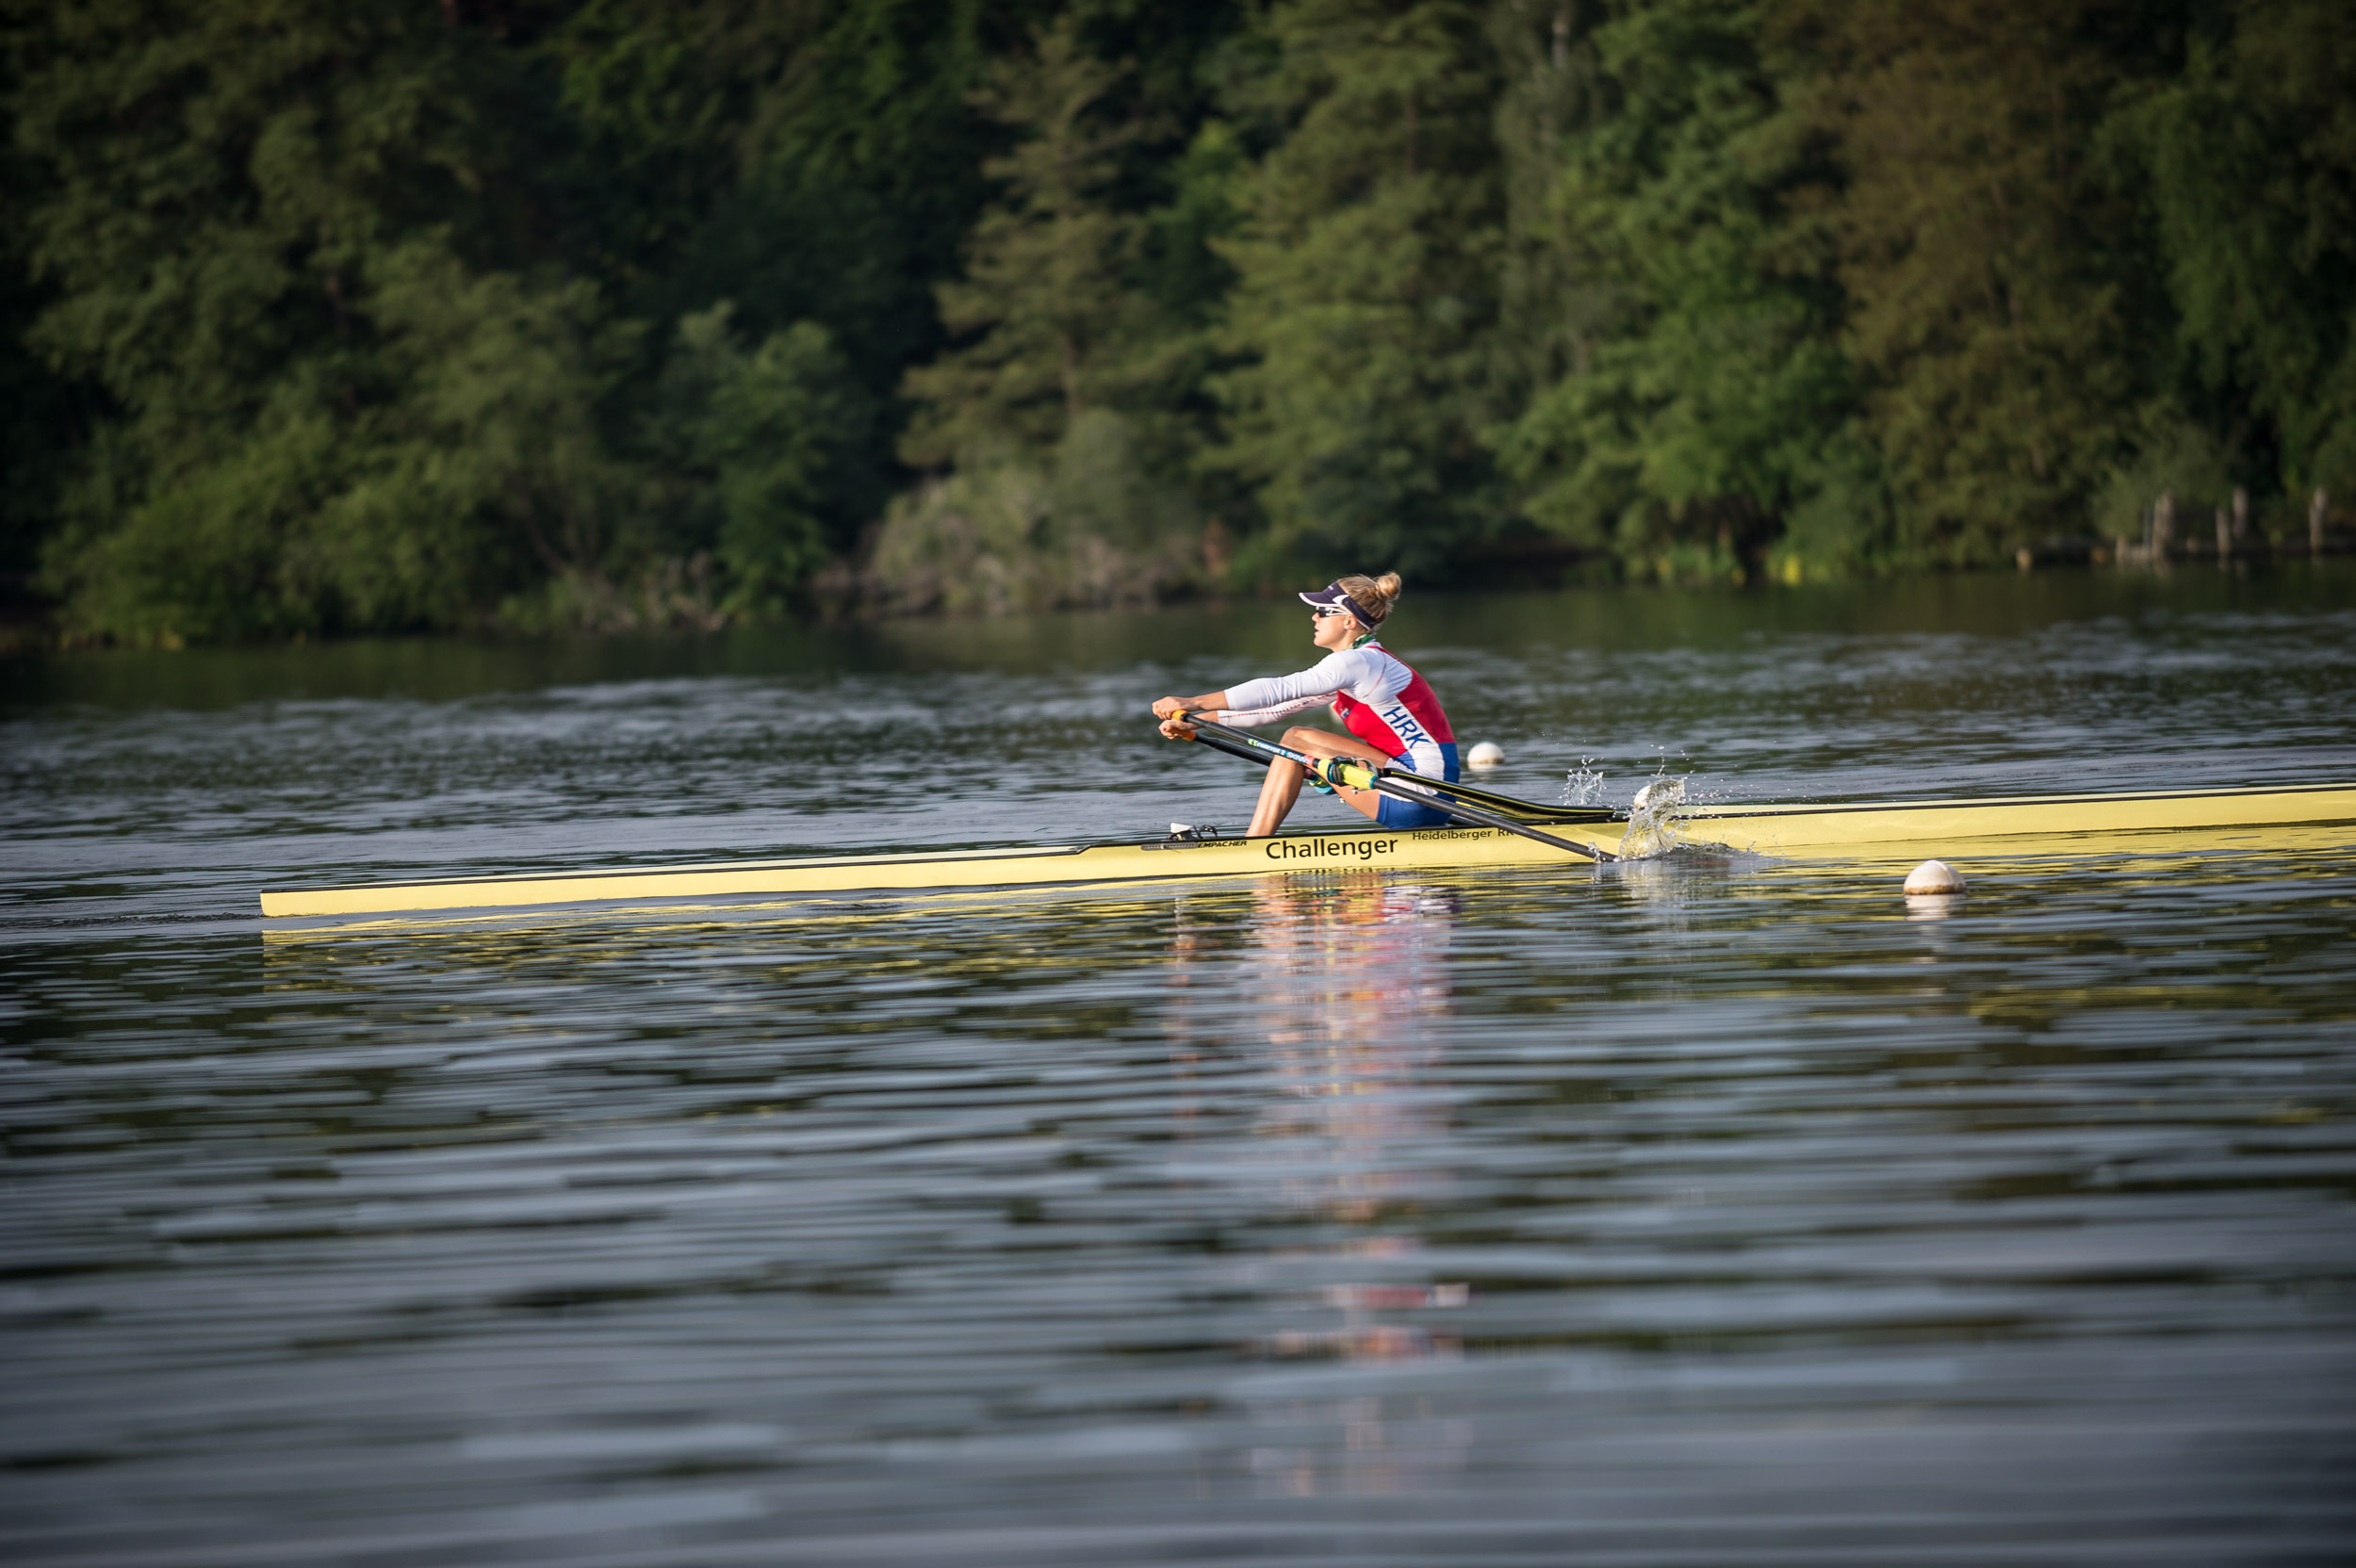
pixel 1653 818
pixel 1583 785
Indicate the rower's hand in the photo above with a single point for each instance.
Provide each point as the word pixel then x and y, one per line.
pixel 1169 710
pixel 1177 729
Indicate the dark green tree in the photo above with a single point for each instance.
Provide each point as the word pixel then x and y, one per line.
pixel 1052 327
pixel 278 237
pixel 807 162
pixel 1984 306
pixel 43 415
pixel 1701 395
pixel 1551 300
pixel 2250 162
pixel 1364 286
pixel 1058 425
pixel 753 443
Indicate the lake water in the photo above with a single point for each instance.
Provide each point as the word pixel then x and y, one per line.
pixel 1703 1211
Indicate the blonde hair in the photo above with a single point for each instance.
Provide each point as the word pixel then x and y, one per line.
pixel 1377 593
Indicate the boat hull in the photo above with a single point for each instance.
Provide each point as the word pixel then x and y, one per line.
pixel 1813 830
pixel 2244 820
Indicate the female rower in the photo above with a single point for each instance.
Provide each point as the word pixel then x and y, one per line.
pixel 1392 716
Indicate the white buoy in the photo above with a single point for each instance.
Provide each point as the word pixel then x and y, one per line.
pixel 1933 877
pixel 1488 754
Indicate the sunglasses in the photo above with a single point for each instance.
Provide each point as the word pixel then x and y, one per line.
pixel 1325 610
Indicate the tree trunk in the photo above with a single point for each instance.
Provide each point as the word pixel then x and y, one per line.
pixel 2163 526
pixel 2317 509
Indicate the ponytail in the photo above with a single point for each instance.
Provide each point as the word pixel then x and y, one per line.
pixel 1377 593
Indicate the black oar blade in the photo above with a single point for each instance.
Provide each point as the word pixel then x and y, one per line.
pixel 1527 809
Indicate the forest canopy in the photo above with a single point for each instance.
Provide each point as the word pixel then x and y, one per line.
pixel 339 315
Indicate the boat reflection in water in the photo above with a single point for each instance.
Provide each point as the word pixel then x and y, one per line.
pixel 1346 981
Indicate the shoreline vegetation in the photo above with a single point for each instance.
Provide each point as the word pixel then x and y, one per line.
pixel 393 315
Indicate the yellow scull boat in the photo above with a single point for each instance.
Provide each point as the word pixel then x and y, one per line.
pixel 2250 820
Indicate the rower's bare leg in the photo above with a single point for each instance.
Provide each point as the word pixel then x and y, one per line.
pixel 1282 787
pixel 1278 791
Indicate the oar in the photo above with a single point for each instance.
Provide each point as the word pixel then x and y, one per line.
pixel 1356 774
pixel 1220 742
pixel 1250 749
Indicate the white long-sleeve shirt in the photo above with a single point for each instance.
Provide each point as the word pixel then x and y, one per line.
pixel 1377 697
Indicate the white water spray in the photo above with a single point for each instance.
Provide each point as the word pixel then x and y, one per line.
pixel 1583 785
pixel 1652 819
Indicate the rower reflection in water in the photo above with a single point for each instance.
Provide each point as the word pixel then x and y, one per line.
pixel 1393 717
pixel 1352 1143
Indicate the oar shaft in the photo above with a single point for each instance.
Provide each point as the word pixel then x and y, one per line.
pixel 1383 781
pixel 1462 812
pixel 1221 742
pixel 1237 742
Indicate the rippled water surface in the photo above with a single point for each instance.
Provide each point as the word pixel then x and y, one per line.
pixel 1706 1210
